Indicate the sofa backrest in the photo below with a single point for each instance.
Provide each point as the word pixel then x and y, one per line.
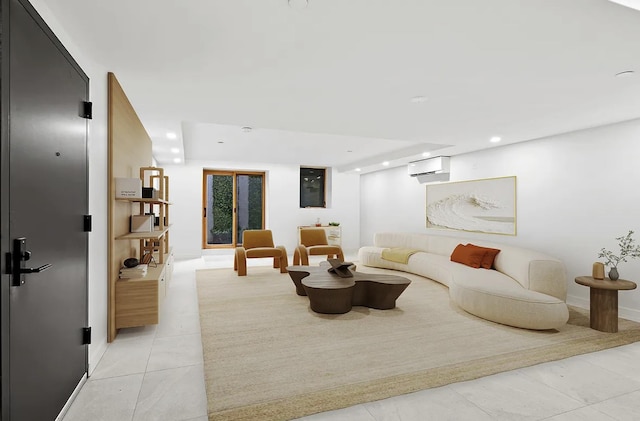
pixel 533 270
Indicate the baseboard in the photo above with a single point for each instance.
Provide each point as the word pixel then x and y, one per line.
pixel 96 351
pixel 624 312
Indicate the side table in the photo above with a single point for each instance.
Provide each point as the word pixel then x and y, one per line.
pixel 604 301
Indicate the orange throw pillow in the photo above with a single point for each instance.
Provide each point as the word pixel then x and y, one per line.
pixel 470 256
pixel 489 256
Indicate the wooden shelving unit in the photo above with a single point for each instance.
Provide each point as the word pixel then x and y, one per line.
pixel 137 301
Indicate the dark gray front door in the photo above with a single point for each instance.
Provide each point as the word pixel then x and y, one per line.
pixel 45 184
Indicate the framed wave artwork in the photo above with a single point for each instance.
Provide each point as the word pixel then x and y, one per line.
pixel 487 206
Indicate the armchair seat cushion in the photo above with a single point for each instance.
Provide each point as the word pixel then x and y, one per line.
pixel 264 252
pixel 319 250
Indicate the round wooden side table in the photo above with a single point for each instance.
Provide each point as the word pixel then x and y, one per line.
pixel 604 301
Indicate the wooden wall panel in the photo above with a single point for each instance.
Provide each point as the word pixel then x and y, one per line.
pixel 129 149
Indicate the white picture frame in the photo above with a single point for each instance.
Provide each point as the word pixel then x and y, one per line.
pixel 486 205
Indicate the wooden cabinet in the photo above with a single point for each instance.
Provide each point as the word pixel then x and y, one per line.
pixel 137 301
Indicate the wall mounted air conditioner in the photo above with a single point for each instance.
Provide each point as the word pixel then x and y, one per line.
pixel 430 170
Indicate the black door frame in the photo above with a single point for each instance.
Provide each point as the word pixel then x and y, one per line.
pixel 5 241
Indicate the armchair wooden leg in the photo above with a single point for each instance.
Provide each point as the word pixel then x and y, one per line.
pixel 341 256
pixel 296 256
pixel 283 260
pixel 276 262
pixel 303 255
pixel 240 262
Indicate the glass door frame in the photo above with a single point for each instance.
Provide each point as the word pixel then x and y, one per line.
pixel 206 211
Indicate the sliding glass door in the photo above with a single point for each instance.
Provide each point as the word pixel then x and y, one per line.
pixel 232 203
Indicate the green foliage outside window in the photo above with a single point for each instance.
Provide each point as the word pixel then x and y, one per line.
pixel 255 202
pixel 222 211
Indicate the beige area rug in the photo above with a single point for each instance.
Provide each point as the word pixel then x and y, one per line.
pixel 267 356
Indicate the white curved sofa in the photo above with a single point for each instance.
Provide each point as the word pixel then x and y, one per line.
pixel 524 289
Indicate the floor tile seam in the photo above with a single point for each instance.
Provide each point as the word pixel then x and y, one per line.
pixel 450 388
pixel 144 376
pixel 179 334
pixel 366 408
pixel 524 372
pixel 572 410
pixel 176 367
pixel 93 378
pixel 133 417
pixel 608 369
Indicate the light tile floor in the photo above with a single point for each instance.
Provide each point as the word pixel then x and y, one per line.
pixel 156 373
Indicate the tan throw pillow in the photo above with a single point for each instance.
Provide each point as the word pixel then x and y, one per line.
pixel 489 255
pixel 470 256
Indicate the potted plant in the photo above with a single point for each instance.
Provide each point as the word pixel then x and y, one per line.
pixel 628 250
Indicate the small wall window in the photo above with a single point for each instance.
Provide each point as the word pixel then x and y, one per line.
pixel 312 187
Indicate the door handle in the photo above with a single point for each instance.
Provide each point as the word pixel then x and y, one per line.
pixel 36 270
pixel 16 264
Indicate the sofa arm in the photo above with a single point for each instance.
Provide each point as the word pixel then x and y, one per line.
pixel 548 277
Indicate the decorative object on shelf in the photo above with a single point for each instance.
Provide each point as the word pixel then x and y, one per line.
pixel 131 262
pixel 334 224
pixel 128 187
pixel 141 223
pixel 628 250
pixel 598 270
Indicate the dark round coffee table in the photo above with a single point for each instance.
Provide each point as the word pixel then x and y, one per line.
pixel 331 294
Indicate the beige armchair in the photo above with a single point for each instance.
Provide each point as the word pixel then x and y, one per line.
pixel 259 244
pixel 314 243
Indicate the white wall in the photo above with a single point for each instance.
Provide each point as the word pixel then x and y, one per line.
pixel 283 214
pixel 97 185
pixel 576 192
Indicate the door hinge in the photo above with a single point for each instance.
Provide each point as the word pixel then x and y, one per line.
pixel 87 109
pixel 87 223
pixel 86 335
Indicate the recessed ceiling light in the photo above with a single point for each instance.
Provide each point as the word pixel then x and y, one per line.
pixel 625 73
pixel 172 135
pixel 495 139
pixel 358 169
pixel 177 160
pixel 246 129
pixel 220 141
pixel 426 154
pixel 349 150
pixel 419 99
pixel 175 150
pixel 385 163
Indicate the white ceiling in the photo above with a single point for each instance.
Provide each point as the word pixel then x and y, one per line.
pixel 339 75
